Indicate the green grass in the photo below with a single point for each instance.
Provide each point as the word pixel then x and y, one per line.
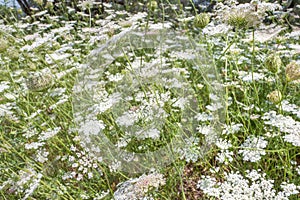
pixel 30 155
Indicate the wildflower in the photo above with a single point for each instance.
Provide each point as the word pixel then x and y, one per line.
pixel 137 188
pixel 292 71
pixel 3 45
pixel 253 186
pixel 285 124
pixel 238 19
pixel 201 20
pixel 275 96
pixel 152 5
pixel 273 63
pixel 87 4
pixel 40 80
pixel 13 53
pixel 4 85
pixel 253 148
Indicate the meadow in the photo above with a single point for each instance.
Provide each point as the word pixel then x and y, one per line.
pixel 150 101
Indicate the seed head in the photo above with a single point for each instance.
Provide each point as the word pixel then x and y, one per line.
pixel 292 71
pixel 273 63
pixel 3 45
pixel 39 81
pixel 275 97
pixel 201 20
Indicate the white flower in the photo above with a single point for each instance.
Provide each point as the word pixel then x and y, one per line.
pixel 252 148
pixel 203 117
pixel 127 119
pixel 212 29
pixel 42 155
pixel 232 128
pixel 225 156
pixel 136 189
pixel 285 124
pixel 250 77
pixel 93 127
pixel 223 144
pixel 34 145
pixel 115 77
pixel 252 186
pixel 152 133
pixel 4 85
pixel 49 133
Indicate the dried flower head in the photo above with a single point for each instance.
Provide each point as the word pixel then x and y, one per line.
pixel 138 187
pixel 3 45
pixel 292 71
pixel 39 81
pixel 238 19
pixel 273 63
pixel 201 20
pixel 13 53
pixel 275 97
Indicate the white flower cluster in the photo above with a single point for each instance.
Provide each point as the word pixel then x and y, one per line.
pixel 27 181
pixel 43 137
pixel 289 107
pixel 253 148
pixel 191 151
pixel 225 155
pixel 253 186
pixel 136 189
pixel 285 124
pixel 232 128
pixel 82 163
pixel 255 11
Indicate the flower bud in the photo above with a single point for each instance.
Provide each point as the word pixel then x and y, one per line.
pixel 275 97
pixel 237 19
pixel 201 20
pixel 292 71
pixel 152 5
pixel 273 63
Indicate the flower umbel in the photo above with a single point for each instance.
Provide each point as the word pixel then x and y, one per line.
pixel 273 63
pixel 275 96
pixel 39 81
pixel 137 188
pixel 292 71
pixel 201 20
